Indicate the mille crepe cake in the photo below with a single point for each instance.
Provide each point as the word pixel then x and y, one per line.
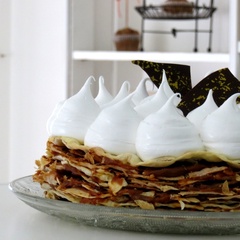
pixel 106 152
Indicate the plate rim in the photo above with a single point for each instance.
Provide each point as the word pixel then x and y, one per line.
pixel 164 221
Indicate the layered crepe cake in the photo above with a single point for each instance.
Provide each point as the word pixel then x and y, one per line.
pixel 149 152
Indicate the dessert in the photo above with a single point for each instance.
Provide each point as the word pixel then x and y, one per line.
pixel 127 39
pixel 219 130
pixel 79 110
pixel 197 115
pixel 156 160
pixel 153 103
pixel 103 96
pixel 166 132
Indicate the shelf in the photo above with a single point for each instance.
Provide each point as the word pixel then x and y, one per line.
pixel 150 56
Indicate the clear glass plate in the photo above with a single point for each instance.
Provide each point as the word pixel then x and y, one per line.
pixel 155 221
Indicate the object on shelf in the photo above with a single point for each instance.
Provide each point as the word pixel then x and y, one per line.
pixel 158 12
pixel 126 39
pixel 185 12
pixel 178 7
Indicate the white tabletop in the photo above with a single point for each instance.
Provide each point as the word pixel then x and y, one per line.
pixel 18 221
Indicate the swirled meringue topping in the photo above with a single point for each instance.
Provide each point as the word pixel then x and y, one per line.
pixel 103 96
pixel 152 129
pixel 140 92
pixel 74 116
pixel 53 116
pixel 123 92
pixel 167 89
pixel 166 133
pixel 220 130
pixel 115 128
pixel 197 115
pixel 154 103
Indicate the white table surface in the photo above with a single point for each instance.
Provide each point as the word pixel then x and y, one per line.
pixel 18 221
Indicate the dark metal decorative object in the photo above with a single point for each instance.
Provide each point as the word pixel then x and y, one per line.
pixel 197 13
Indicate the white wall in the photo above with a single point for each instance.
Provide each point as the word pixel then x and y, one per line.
pixel 38 77
pixel 4 87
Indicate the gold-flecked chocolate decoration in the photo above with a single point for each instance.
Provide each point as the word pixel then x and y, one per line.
pixel 223 84
pixel 178 76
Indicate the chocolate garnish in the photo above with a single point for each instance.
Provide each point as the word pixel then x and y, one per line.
pixel 178 76
pixel 222 82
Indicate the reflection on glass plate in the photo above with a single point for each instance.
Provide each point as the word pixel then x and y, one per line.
pixel 155 221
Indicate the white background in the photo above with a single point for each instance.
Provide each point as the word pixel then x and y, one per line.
pixel 33 78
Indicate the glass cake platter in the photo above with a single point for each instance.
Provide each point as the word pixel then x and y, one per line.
pixel 128 219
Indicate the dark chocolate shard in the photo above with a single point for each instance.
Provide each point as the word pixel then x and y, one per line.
pixel 178 76
pixel 222 82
